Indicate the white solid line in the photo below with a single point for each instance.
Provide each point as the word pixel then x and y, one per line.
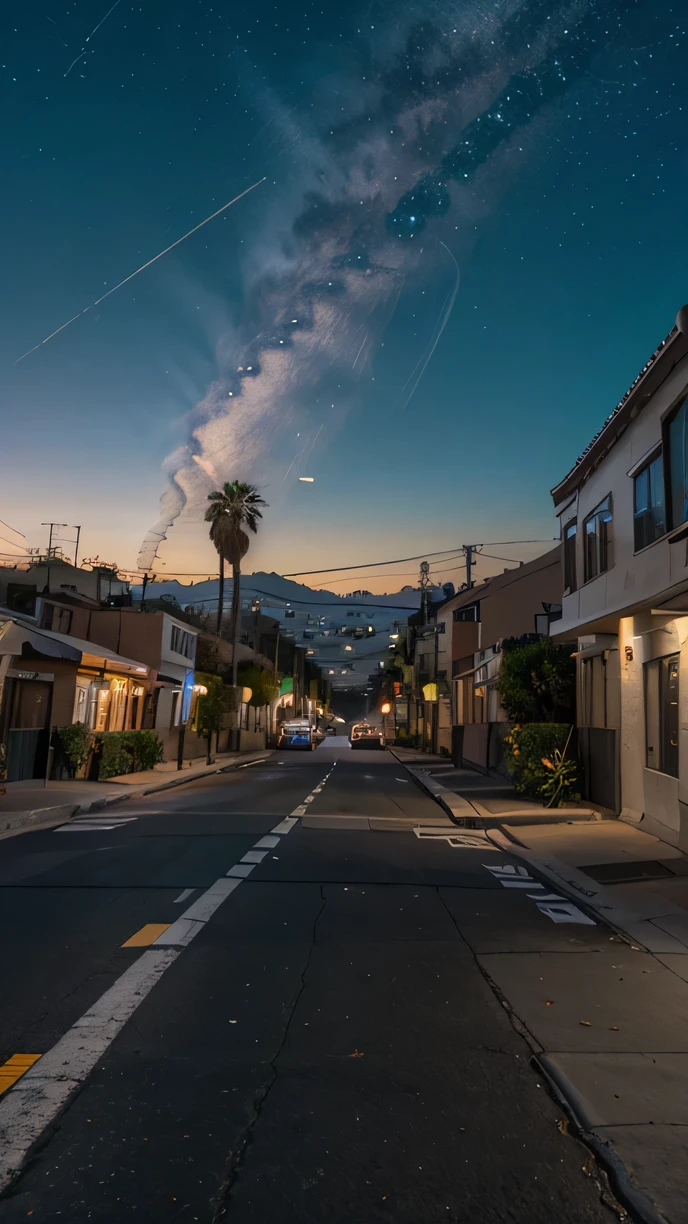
pixel 208 902
pixel 253 856
pixel 241 870
pixel 286 825
pixel 248 764
pixel 299 811
pixel 267 843
pixel 37 1098
pixel 183 895
pixel 179 934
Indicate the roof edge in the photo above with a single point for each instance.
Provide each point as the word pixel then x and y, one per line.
pixel 667 354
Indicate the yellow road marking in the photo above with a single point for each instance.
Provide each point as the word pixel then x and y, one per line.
pixel 147 935
pixel 14 1068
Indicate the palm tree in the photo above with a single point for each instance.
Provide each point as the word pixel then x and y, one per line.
pixel 233 507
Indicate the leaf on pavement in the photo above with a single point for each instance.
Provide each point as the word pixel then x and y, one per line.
pixel 586 1023
pixel 563 1124
pixel 357 1054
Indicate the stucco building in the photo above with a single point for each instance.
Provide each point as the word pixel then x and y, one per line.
pixel 623 510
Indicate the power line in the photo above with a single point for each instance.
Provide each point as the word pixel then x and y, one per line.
pixel 337 569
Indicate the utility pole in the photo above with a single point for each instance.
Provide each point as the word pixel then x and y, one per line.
pixel 54 534
pixel 424 583
pixel 255 608
pixel 469 550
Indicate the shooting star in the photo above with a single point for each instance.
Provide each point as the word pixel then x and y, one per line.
pixel 103 20
pixel 440 326
pixel 141 269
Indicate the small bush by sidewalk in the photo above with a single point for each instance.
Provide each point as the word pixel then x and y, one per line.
pixel 539 760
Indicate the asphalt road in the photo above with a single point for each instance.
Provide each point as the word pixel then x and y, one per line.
pixel 311 1037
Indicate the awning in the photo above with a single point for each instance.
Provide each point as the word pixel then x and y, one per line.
pixel 14 634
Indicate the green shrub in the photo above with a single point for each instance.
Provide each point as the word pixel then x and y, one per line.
pixel 76 742
pixel 537 681
pixel 123 752
pixel 536 758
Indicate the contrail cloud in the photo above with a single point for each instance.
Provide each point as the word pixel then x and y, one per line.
pixel 141 269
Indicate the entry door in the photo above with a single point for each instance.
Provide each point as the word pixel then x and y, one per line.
pixel 28 734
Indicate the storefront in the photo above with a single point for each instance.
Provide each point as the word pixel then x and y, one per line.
pixel 50 680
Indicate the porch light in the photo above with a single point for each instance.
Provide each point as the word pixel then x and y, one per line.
pixel 385 708
pixel 138 690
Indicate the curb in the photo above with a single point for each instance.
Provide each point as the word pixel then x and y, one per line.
pixel 60 813
pixel 631 1198
pixel 629 1195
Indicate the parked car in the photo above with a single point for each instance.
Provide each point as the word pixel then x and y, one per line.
pixel 298 735
pixel 363 735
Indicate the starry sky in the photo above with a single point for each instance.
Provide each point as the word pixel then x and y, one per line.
pixel 465 241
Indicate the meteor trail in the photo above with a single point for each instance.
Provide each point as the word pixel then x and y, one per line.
pixel 141 269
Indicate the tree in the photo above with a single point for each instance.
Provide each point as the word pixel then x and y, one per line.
pixel 232 508
pixel 211 708
pixel 537 680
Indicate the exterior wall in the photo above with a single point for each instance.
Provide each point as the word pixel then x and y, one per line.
pixel 659 799
pixel 511 600
pixel 622 607
pixel 634 577
pixel 130 633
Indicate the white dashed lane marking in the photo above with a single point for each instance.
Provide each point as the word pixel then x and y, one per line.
pixel 38 1097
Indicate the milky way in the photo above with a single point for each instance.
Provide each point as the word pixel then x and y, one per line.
pixel 329 261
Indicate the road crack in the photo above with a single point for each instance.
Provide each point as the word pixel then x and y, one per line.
pixel 237 1157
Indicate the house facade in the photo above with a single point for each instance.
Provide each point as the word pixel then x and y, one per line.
pixel 623 510
pixel 470 720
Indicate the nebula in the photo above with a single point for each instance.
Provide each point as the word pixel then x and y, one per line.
pixel 329 260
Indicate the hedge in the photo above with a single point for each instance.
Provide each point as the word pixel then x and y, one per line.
pixel 123 752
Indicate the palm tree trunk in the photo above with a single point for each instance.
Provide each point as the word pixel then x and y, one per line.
pixel 221 593
pixel 236 625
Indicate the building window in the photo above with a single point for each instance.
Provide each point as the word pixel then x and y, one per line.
pixel 570 536
pixel 176 713
pixel 597 530
pixel 182 642
pixel 677 437
pixel 649 520
pixel 661 714
pixel 466 614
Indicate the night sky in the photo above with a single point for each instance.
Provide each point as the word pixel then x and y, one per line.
pixel 470 237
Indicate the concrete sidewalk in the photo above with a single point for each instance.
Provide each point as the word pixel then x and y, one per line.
pixel 474 799
pixel 34 806
pixel 608 1030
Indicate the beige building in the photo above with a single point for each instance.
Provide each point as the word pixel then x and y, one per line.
pixel 623 510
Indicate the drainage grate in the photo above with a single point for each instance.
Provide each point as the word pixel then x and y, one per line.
pixel 626 873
